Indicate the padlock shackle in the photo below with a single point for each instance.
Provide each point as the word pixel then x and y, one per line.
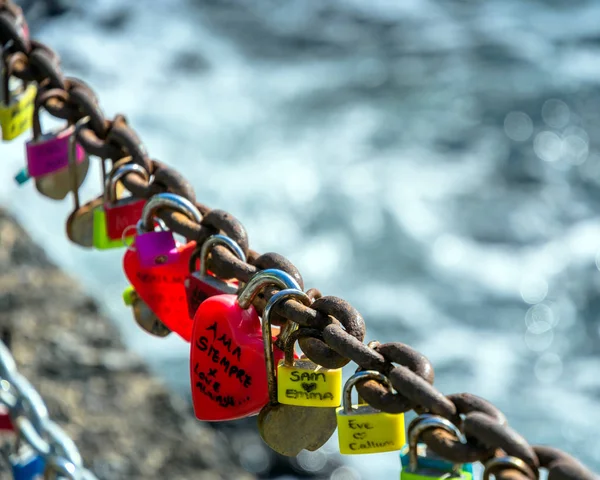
pixel 423 423
pixel 262 279
pixel 206 247
pixel 9 67
pixel 116 174
pixel 294 336
pixel 267 335
pixel 291 336
pixel 500 463
pixel 170 201
pixel 359 377
pixel 41 98
pixel 82 122
pixel 246 295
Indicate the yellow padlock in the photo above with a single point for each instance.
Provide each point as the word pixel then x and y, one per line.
pixel 364 429
pixel 302 382
pixel 16 106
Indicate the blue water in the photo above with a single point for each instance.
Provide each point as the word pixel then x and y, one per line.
pixel 432 162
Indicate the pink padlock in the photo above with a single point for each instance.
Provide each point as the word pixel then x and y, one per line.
pixel 156 248
pixel 48 153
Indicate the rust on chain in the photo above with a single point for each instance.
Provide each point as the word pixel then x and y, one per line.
pixel 80 102
pixel 339 329
pixel 490 433
pixel 349 318
pixel 122 135
pixel 99 147
pixel 45 68
pixel 421 392
pixel 11 22
pixel 41 99
pixel 562 466
pixel 452 448
pixel 220 222
pixel 87 105
pixel 274 260
pixel 314 294
pixel 380 397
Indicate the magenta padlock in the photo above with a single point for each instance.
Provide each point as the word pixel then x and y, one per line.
pixel 160 247
pixel 48 153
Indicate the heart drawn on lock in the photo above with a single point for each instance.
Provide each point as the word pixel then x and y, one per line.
pixel 227 361
pixel 161 288
pixel 308 387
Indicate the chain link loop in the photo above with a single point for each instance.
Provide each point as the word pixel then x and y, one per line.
pixel 34 427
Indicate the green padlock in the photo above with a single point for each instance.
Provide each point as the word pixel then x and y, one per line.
pixel 420 463
pixel 101 240
pixel 129 212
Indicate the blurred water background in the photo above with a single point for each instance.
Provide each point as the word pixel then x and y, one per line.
pixel 433 162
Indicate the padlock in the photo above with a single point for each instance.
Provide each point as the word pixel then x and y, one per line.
pixel 56 185
pixel 159 248
pixel 228 354
pixel 122 213
pixel 144 317
pixel 364 429
pixel 115 217
pixel 302 382
pixel 26 464
pixel 159 281
pixel 200 285
pixel 16 106
pixel 289 429
pixel 80 222
pixel 421 463
pixel 48 153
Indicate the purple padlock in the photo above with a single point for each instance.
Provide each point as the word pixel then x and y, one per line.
pixel 156 248
pixel 48 153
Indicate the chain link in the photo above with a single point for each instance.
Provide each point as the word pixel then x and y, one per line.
pixel 33 426
pixel 341 326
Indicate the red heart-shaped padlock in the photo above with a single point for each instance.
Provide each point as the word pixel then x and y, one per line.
pixel 162 288
pixel 227 361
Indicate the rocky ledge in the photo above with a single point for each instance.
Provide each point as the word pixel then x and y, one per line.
pixel 124 421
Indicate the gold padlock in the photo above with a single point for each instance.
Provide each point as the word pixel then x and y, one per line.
pixel 302 382
pixel 364 429
pixel 16 104
pixel 80 223
pixel 289 429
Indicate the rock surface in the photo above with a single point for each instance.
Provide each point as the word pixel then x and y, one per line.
pixel 124 421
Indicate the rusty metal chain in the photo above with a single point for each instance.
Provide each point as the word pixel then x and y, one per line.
pixel 341 326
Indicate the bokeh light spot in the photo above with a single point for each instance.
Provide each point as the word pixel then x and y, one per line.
pixel 539 336
pixel 518 126
pixel 547 146
pixel 312 461
pixel 555 113
pixel 345 473
pixel 548 367
pixel 534 289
